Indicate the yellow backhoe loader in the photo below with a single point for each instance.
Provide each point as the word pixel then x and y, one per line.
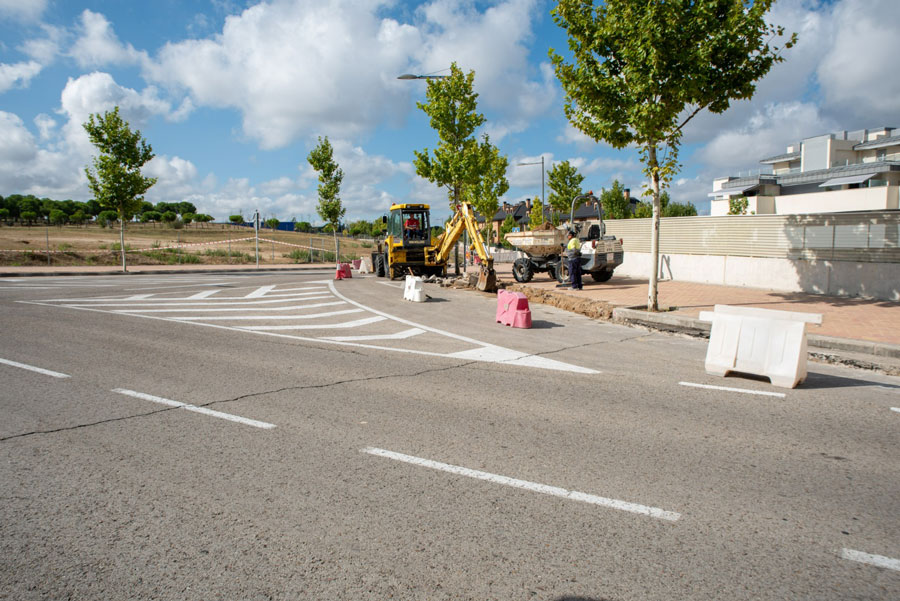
pixel 409 247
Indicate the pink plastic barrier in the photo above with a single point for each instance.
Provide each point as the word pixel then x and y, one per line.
pixel 513 310
pixel 356 263
pixel 343 271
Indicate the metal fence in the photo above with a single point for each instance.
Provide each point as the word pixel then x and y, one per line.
pixel 872 237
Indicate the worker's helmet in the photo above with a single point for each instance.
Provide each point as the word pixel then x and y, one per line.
pixel 570 232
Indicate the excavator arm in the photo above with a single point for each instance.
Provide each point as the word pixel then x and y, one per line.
pixel 464 219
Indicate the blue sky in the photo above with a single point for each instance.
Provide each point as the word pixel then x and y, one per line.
pixel 232 95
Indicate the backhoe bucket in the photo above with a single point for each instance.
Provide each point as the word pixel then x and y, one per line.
pixel 487 280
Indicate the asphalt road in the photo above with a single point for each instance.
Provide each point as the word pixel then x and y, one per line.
pixel 286 436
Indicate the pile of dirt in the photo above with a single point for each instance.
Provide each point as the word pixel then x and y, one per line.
pixel 594 309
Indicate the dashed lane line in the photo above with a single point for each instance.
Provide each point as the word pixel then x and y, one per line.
pixel 40 370
pixel 780 395
pixel 195 409
pixel 555 491
pixel 879 561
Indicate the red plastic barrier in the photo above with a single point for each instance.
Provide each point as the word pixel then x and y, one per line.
pixel 343 271
pixel 513 310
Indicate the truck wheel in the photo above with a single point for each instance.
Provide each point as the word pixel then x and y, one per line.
pixel 379 266
pixel 522 270
pixel 562 272
pixel 601 276
pixel 551 271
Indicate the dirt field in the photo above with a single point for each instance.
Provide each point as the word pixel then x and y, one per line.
pixel 157 244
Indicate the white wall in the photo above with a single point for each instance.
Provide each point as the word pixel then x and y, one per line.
pixel 840 278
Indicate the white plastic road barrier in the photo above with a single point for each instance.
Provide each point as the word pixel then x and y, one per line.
pixel 365 265
pixel 414 289
pixel 759 341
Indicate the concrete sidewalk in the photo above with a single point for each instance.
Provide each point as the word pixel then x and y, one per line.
pixel 850 325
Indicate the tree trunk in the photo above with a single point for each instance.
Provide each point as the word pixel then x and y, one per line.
pixel 652 292
pixel 337 257
pixel 122 241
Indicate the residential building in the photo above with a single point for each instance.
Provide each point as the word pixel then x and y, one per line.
pixel 844 171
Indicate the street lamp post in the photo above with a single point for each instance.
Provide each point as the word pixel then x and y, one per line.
pixel 543 202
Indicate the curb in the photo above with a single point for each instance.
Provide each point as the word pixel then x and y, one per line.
pixel 672 322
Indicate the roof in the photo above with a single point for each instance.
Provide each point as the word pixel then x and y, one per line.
pixel 780 158
pixel 879 143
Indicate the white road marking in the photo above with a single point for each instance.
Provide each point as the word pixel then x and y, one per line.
pixel 873 560
pixel 120 302
pixel 654 512
pixel 261 291
pixel 482 351
pixel 391 284
pixel 780 395
pixel 287 308
pixel 205 293
pixel 268 317
pixel 897 409
pixel 39 370
pixel 317 326
pixel 398 336
pixel 195 409
pixel 485 352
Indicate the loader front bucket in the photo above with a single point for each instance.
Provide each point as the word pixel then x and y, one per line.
pixel 487 280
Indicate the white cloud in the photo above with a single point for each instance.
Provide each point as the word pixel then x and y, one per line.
pixel 858 74
pixel 17 75
pixel 44 50
pixel 768 132
pixel 25 10
pixel 293 68
pixel 97 44
pixel 46 126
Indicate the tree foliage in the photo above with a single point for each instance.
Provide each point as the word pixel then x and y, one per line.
pixel 564 183
pixel 470 170
pixel 116 179
pixel 642 69
pixel 329 208
pixel 536 216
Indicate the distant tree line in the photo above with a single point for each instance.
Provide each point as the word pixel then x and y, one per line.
pixel 31 210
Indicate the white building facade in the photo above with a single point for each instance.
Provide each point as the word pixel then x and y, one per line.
pixel 845 171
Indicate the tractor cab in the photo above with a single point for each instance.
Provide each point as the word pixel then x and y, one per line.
pixel 410 225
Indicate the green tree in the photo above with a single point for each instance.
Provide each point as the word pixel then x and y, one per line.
pixel 272 223
pixel 168 217
pixel 4 214
pixel 29 217
pixel 506 227
pixel 613 201
pixel 236 219
pixel 116 179
pixel 58 217
pixel 564 183
pixel 329 208
pixel 470 170
pixel 642 69
pixel 188 217
pixel 303 226
pixel 107 218
pixel 737 205
pixel 78 217
pixel 536 217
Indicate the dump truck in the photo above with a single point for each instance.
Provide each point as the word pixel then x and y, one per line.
pixel 545 248
pixel 414 250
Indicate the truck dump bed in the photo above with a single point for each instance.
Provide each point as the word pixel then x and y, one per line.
pixel 538 243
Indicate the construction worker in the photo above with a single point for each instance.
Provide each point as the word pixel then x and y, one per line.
pixel 573 256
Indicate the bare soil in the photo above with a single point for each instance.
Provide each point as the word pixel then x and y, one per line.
pixel 156 244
